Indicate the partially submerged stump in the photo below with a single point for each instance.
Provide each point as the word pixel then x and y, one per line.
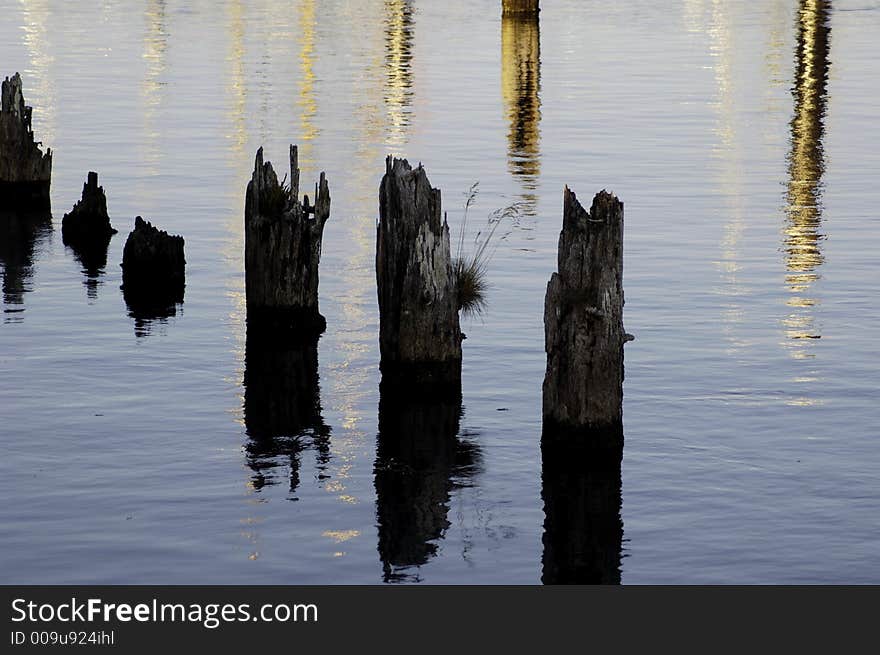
pixel 419 332
pixel 153 270
pixel 520 7
pixel 282 240
pixel 88 223
pixel 25 171
pixel 583 328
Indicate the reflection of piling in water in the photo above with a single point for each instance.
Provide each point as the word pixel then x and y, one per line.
pixel 418 458
pixel 583 530
pixel 520 7
pixel 87 231
pixel 583 327
pixel 398 66
pixel 419 332
pixel 20 234
pixel 806 159
pixel 25 172
pixel 520 87
pixel 282 406
pixel 282 242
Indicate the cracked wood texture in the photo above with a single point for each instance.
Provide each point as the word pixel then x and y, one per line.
pixel 583 325
pixel 283 248
pixel 419 332
pixel 25 171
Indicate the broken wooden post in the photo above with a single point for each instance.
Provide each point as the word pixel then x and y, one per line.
pixel 87 225
pixel 419 332
pixel 282 242
pixel 520 7
pixel 583 328
pixel 25 172
pixel 153 270
pixel 87 231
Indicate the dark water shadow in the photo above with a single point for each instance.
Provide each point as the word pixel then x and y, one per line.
pixel 282 406
pixel 93 260
pixel 521 89
pixel 806 166
pixel 21 234
pixel 583 528
pixel 152 311
pixel 420 460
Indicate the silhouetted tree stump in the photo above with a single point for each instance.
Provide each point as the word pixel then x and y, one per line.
pixel 88 221
pixel 520 7
pixel 419 332
pixel 25 172
pixel 282 240
pixel 153 271
pixel 583 326
pixel 86 228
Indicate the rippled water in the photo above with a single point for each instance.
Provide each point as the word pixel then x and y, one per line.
pixel 743 140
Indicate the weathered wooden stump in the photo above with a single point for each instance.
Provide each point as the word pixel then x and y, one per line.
pixel 283 248
pixel 88 221
pixel 583 529
pixel 418 458
pixel 520 7
pixel 153 270
pixel 25 172
pixel 419 332
pixel 583 328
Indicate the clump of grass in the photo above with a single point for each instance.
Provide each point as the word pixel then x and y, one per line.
pixel 275 198
pixel 470 269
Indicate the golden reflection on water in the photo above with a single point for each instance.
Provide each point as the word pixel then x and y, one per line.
pixel 806 164
pixel 398 70
pixel 520 91
pixel 724 51
pixel 152 85
pixel 233 250
pixel 39 86
pixel 307 104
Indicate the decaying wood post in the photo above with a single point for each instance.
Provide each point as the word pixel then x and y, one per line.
pixel 419 332
pixel 25 172
pixel 88 223
pixel 282 242
pixel 153 270
pixel 583 328
pixel 521 7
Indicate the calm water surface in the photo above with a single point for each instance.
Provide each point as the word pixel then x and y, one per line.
pixel 743 138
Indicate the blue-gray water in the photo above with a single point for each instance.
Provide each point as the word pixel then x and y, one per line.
pixel 750 182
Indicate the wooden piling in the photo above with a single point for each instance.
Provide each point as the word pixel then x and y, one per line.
pixel 283 248
pixel 25 171
pixel 88 221
pixel 583 327
pixel 153 270
pixel 520 7
pixel 419 332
